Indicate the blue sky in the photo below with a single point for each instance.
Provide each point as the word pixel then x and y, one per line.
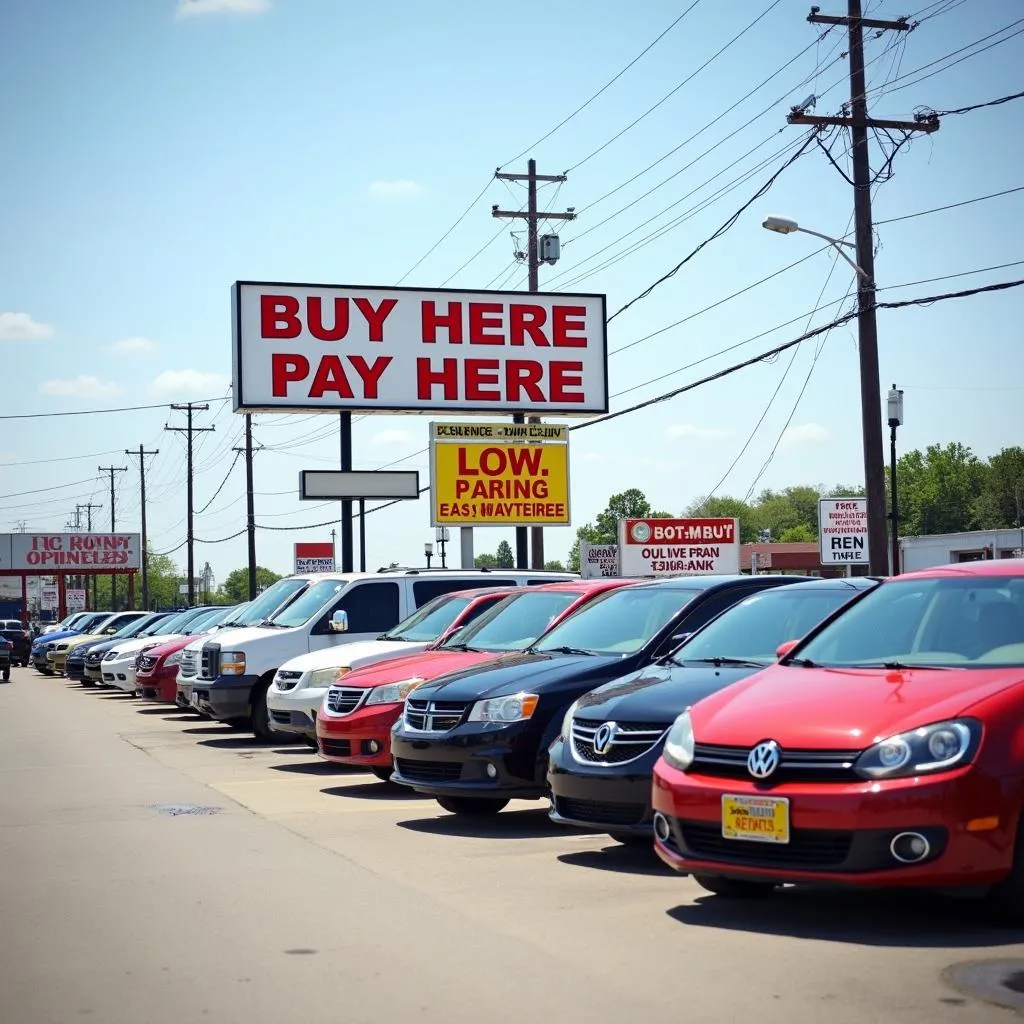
pixel 156 152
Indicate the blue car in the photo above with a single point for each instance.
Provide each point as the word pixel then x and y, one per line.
pixel 42 643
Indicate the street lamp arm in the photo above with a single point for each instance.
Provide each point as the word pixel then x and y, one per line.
pixel 838 244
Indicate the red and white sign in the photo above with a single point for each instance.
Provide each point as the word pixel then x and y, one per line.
pixel 314 556
pixel 70 552
pixel 321 348
pixel 843 530
pixel 679 547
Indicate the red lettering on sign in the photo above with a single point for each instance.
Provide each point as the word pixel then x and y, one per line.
pixel 450 321
pixel 565 320
pixel 526 320
pixel 447 377
pixel 279 316
pixel 479 374
pixel 524 459
pixel 370 373
pixel 316 319
pixel 375 317
pixel 464 468
pixel 485 316
pixel 284 369
pixel 564 376
pixel 524 375
pixel 330 376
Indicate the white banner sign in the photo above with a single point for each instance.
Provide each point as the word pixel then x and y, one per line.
pixel 75 599
pixel 843 530
pixel 322 347
pixel 598 560
pixel 679 547
pixel 50 599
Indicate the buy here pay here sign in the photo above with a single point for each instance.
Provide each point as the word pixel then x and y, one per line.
pixel 499 474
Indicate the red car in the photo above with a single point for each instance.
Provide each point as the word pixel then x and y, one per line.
pixel 353 725
pixel 886 748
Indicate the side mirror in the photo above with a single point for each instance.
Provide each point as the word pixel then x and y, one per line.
pixel 339 622
pixel 110 630
pixel 783 649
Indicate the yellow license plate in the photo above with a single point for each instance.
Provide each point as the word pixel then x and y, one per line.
pixel 758 819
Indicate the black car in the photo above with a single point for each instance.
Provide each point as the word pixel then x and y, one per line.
pixel 478 738
pixel 91 653
pixel 21 640
pixel 600 765
pixel 6 647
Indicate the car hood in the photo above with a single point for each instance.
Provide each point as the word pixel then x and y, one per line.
pixel 657 693
pixel 537 673
pixel 168 645
pixel 105 645
pixel 78 639
pixel 351 655
pixel 141 643
pixel 94 644
pixel 49 637
pixel 841 709
pixel 428 665
pixel 231 639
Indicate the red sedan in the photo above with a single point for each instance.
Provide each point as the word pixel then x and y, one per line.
pixel 885 749
pixel 353 726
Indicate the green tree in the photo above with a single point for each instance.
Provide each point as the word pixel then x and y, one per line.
pixel 503 557
pixel 163 577
pixel 554 566
pixel 628 504
pixel 235 588
pixel 727 508
pixel 799 534
pixel 938 490
pixel 1001 502
pixel 485 561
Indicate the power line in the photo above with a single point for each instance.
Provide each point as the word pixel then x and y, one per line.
pixel 978 106
pixel 950 206
pixel 234 462
pixel 93 412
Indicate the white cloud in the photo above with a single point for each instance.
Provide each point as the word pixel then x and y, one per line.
pixel 689 432
pixel 188 384
pixel 190 7
pixel 21 327
pixel 400 189
pixel 807 433
pixel 132 347
pixel 393 435
pixel 80 387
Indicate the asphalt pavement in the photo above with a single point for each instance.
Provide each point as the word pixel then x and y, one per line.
pixel 158 868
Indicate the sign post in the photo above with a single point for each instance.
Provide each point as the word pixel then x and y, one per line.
pixel 843 531
pixel 679 547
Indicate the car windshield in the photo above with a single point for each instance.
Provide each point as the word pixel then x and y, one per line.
pixel 752 630
pixel 513 624
pixel 175 623
pixel 620 623
pixel 157 622
pixel 965 621
pixel 201 623
pixel 87 625
pixel 269 602
pixel 308 604
pixel 430 621
pixel 131 628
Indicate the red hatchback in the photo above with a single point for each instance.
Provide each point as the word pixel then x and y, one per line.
pixel 885 749
pixel 353 726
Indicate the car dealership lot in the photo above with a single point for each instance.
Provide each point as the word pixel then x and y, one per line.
pixel 315 892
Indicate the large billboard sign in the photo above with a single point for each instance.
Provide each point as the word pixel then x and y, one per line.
pixel 499 474
pixel 679 547
pixel 843 531
pixel 324 348
pixel 50 553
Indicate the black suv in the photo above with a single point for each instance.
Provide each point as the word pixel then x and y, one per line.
pixel 20 637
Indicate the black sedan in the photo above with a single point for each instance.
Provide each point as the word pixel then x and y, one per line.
pixel 478 738
pixel 600 765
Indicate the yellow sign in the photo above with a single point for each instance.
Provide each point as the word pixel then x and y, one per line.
pixel 516 480
pixel 762 819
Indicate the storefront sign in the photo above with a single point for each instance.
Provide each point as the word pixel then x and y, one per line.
pixel 322 347
pixel 597 560
pixel 679 547
pixel 70 552
pixel 314 556
pixel 843 530
pixel 74 598
pixel 49 598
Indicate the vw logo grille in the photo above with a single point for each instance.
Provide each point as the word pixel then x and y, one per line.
pixel 604 737
pixel 764 759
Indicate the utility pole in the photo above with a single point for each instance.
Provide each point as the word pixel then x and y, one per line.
pixel 250 507
pixel 142 453
pixel 113 579
pixel 188 430
pixel 867 329
pixel 88 527
pixel 533 262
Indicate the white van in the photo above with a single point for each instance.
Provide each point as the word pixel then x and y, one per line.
pixel 328 609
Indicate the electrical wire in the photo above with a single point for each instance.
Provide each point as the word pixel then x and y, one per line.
pixel 978 106
pixel 234 462
pixel 93 412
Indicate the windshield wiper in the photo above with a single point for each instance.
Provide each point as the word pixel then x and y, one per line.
pixel 740 662
pixel 903 665
pixel 461 647
pixel 565 650
pixel 803 663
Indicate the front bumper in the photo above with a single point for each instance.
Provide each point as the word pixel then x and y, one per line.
pixel 75 668
pixel 120 673
pixel 55 661
pixel 40 663
pixel 225 698
pixel 613 798
pixel 160 686
pixel 364 737
pixel 841 833
pixel 456 763
pixel 94 671
pixel 294 711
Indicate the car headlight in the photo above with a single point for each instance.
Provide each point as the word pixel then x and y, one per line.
pixel 678 752
pixel 932 748
pixel 515 707
pixel 321 677
pixel 394 693
pixel 567 718
pixel 173 659
pixel 232 663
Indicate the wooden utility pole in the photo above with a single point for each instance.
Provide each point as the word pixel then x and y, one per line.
pixel 88 526
pixel 250 506
pixel 142 453
pixel 113 579
pixel 533 261
pixel 867 329
pixel 188 430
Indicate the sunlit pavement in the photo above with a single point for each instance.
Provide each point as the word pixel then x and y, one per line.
pixel 158 868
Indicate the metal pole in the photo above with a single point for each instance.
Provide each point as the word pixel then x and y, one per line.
pixel 533 260
pixel 466 546
pixel 362 535
pixel 250 508
pixel 345 431
pixel 895 513
pixel 191 534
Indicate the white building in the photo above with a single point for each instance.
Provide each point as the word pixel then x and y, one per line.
pixel 945 548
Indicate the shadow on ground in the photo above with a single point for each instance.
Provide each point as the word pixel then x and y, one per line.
pixel 505 825
pixel 618 857
pixel 374 791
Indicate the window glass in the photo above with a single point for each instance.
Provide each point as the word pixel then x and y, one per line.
pixel 269 601
pixel 371 607
pixel 132 627
pixel 514 623
pixel 430 621
pixel 952 622
pixel 427 589
pixel 309 604
pixel 622 622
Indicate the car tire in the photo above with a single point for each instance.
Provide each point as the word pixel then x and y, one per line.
pixel 261 716
pixel 628 839
pixel 86 682
pixel 471 806
pixel 734 888
pixel 384 774
pixel 7 675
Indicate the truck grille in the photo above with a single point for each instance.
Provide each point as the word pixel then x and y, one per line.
pixel 433 715
pixel 794 765
pixel 287 679
pixel 209 661
pixel 623 742
pixel 189 662
pixel 342 700
pixel 429 771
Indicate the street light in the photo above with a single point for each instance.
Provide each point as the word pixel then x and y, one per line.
pixel 895 410
pixel 786 226
pixel 428 550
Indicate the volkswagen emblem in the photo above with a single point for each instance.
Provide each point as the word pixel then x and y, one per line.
pixel 604 737
pixel 764 759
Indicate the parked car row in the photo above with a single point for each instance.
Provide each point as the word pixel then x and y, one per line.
pixel 753 731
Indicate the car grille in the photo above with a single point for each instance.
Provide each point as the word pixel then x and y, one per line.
pixel 429 771
pixel 189 662
pixel 629 740
pixel 794 765
pixel 599 812
pixel 336 748
pixel 806 847
pixel 93 659
pixel 209 661
pixel 342 700
pixel 281 717
pixel 76 660
pixel 287 680
pixel 146 663
pixel 433 715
